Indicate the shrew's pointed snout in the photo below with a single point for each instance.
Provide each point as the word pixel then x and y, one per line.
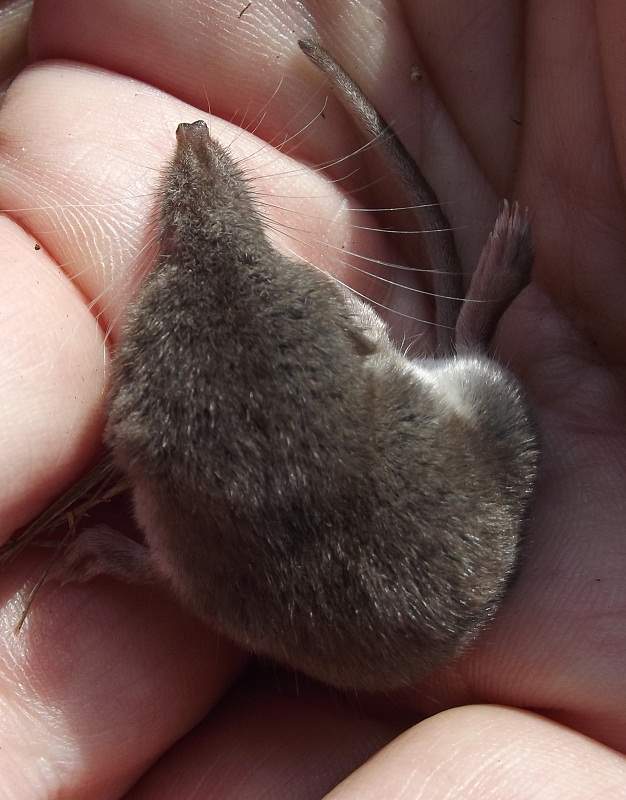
pixel 192 132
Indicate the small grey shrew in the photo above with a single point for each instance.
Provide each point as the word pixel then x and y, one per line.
pixel 301 485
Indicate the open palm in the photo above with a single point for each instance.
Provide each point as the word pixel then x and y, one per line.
pixel 518 101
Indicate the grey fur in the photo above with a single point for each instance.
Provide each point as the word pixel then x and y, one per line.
pixel 301 485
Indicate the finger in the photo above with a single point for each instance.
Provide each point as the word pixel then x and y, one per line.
pixel 571 172
pixel 475 55
pixel 201 52
pixel 248 68
pixel 270 737
pixel 52 368
pixel 100 681
pixel 478 751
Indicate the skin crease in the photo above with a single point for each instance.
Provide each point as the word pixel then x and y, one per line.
pixel 85 674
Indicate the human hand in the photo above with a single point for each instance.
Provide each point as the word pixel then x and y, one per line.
pixel 105 679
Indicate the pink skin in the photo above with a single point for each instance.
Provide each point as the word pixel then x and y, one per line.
pixel 105 679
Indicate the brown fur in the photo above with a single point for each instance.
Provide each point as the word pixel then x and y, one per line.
pixel 300 484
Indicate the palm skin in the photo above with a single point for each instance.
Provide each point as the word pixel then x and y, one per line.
pixel 518 102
